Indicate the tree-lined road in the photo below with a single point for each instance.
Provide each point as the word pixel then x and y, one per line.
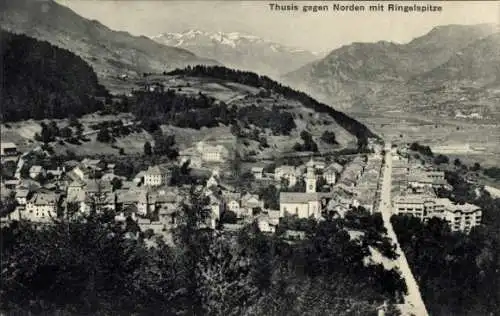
pixel 413 305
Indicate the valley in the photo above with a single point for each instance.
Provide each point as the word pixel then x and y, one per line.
pixel 471 141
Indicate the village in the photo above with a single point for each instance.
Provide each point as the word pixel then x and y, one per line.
pixel 314 187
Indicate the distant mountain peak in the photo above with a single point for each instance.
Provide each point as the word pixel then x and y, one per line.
pixel 371 69
pixel 240 50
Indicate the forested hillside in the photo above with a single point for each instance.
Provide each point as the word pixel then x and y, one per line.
pixel 43 81
pixel 354 127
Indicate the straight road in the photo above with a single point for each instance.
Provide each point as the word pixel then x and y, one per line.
pixel 413 305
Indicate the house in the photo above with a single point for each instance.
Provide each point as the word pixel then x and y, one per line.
pixel 22 197
pixel 42 207
pixel 192 155
pixel 338 168
pixel 292 235
pixel 232 201
pixel 167 204
pixel 213 181
pixel 127 198
pixel 91 164
pixel 154 87
pixel 80 199
pixel 336 207
pixel 11 184
pixel 301 204
pixel 8 149
pixel 250 204
pixel 75 187
pixel 96 188
pixel 157 176
pixel 212 153
pixel 143 203
pixel 422 179
pixel 257 172
pixel 81 172
pixel 286 172
pixel 417 205
pixel 36 171
pixel 265 225
pixel 139 177
pixel 56 173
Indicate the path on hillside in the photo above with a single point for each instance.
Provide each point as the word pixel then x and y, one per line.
pixel 413 305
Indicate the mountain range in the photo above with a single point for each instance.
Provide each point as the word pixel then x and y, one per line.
pixel 241 51
pixel 468 54
pixel 111 53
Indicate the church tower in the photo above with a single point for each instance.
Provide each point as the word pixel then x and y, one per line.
pixel 310 178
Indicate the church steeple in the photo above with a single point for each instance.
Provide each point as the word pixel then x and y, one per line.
pixel 310 177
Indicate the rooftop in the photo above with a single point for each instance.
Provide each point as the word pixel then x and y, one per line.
pixel 45 199
pixel 301 197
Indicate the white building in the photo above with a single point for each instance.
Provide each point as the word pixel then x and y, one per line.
pixel 257 172
pixel 212 153
pixel 156 176
pixel 22 197
pixel 460 217
pixel 286 172
pixel 302 205
pixel 232 201
pixel 249 203
pixel 192 155
pixel 42 207
pixel 35 171
pixel 8 149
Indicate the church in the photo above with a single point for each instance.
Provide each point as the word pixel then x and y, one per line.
pixel 304 204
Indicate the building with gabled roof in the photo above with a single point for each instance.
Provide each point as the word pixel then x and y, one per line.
pixel 301 204
pixel 42 207
pixel 157 176
pixel 8 149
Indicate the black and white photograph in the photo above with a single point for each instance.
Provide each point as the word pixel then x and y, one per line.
pixel 249 158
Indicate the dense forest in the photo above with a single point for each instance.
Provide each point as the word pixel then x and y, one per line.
pixel 458 274
pixel 254 80
pixel 40 81
pixel 97 266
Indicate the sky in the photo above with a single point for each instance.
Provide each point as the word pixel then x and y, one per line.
pixel 320 31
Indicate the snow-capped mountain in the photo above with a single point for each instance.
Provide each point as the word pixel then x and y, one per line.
pixel 241 51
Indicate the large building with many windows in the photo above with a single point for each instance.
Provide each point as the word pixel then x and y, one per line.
pixel 460 217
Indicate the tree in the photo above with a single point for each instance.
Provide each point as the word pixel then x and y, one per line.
pixel 66 132
pixel 229 217
pixel 322 185
pixel 270 195
pixel 440 159
pixel 300 186
pixel 236 164
pixel 165 145
pixel 103 136
pixel 116 183
pixel 457 162
pixel 148 150
pixel 476 167
pixel 329 137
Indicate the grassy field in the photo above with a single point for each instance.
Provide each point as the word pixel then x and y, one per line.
pixel 468 140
